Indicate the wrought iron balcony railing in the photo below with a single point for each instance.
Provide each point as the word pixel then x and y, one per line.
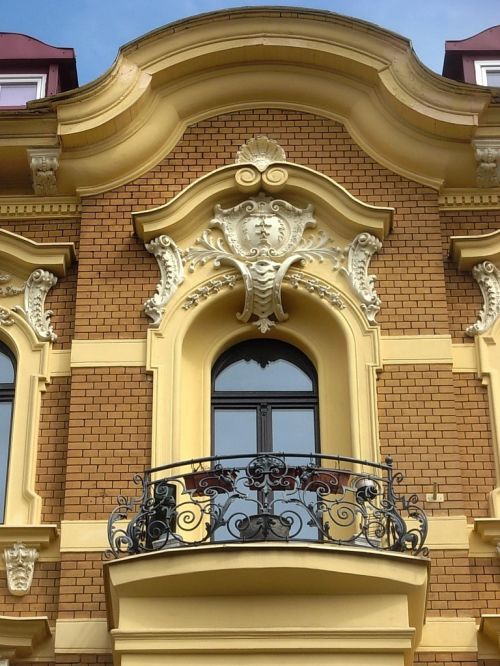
pixel 269 497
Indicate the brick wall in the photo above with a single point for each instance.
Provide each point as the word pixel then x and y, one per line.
pixel 95 427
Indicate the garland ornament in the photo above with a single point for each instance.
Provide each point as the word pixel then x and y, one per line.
pixel 487 275
pixel 262 239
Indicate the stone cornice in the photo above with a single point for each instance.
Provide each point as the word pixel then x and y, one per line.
pixel 470 199
pixel 20 254
pixel 407 118
pixel 467 251
pixel 19 636
pixel 38 208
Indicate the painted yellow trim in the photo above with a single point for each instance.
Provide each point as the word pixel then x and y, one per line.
pixel 88 636
pixel 445 533
pixel 37 536
pixel 488 355
pixel 408 119
pixel 91 636
pixel 466 251
pixel 397 350
pixel 83 536
pixel 464 357
pixel 410 349
pixel 449 634
pixel 359 601
pixel 489 631
pixel 60 362
pixel 347 215
pixel 20 636
pixel 39 208
pixel 108 353
pixel 22 255
pixel 23 505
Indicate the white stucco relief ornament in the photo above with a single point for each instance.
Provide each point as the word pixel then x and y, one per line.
pixel 262 239
pixel 44 163
pixel 487 276
pixel 487 154
pixel 168 256
pixel 261 152
pixel 37 287
pixel 359 254
pixel 19 566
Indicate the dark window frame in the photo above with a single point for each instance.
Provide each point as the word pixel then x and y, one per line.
pixel 265 401
pixel 7 395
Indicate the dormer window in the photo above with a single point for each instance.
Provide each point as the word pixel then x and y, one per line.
pixel 18 89
pixel 487 72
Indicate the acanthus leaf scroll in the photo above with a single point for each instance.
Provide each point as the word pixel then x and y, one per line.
pixel 261 238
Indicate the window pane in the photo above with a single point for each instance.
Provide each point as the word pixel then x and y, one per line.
pixel 293 431
pixel 17 94
pixel 493 77
pixel 5 417
pixel 235 431
pixel 279 375
pixel 6 369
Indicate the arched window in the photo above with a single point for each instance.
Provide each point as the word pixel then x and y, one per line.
pixel 264 399
pixel 7 386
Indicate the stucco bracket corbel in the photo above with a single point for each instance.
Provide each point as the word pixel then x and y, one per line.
pixel 487 276
pixel 167 254
pixel 487 154
pixel 359 255
pixel 44 163
pixel 20 566
pixel 37 287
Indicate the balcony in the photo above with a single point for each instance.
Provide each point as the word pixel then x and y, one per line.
pixel 269 497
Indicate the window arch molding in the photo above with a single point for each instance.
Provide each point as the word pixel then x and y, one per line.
pixel 23 505
pixel 340 343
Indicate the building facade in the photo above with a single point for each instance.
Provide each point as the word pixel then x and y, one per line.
pixel 250 284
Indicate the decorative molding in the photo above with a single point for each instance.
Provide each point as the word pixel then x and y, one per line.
pixel 9 290
pixel 44 163
pixel 39 208
pixel 262 238
pixel 169 261
pixel 37 287
pixel 5 317
pixel 19 565
pixel 487 153
pixel 260 151
pixel 487 276
pixel 314 286
pixel 22 637
pixel 210 288
pixel 469 199
pixel 360 252
pixel 489 531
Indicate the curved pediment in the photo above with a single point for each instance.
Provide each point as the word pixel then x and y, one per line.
pixel 344 214
pixel 407 118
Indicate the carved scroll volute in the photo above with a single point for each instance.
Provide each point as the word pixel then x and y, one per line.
pixel 359 255
pixel 37 287
pixel 487 275
pixel 169 261
pixel 20 565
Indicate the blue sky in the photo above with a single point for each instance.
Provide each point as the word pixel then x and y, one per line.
pixel 97 28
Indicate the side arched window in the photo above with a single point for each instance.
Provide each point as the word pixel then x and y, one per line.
pixel 264 399
pixel 7 388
